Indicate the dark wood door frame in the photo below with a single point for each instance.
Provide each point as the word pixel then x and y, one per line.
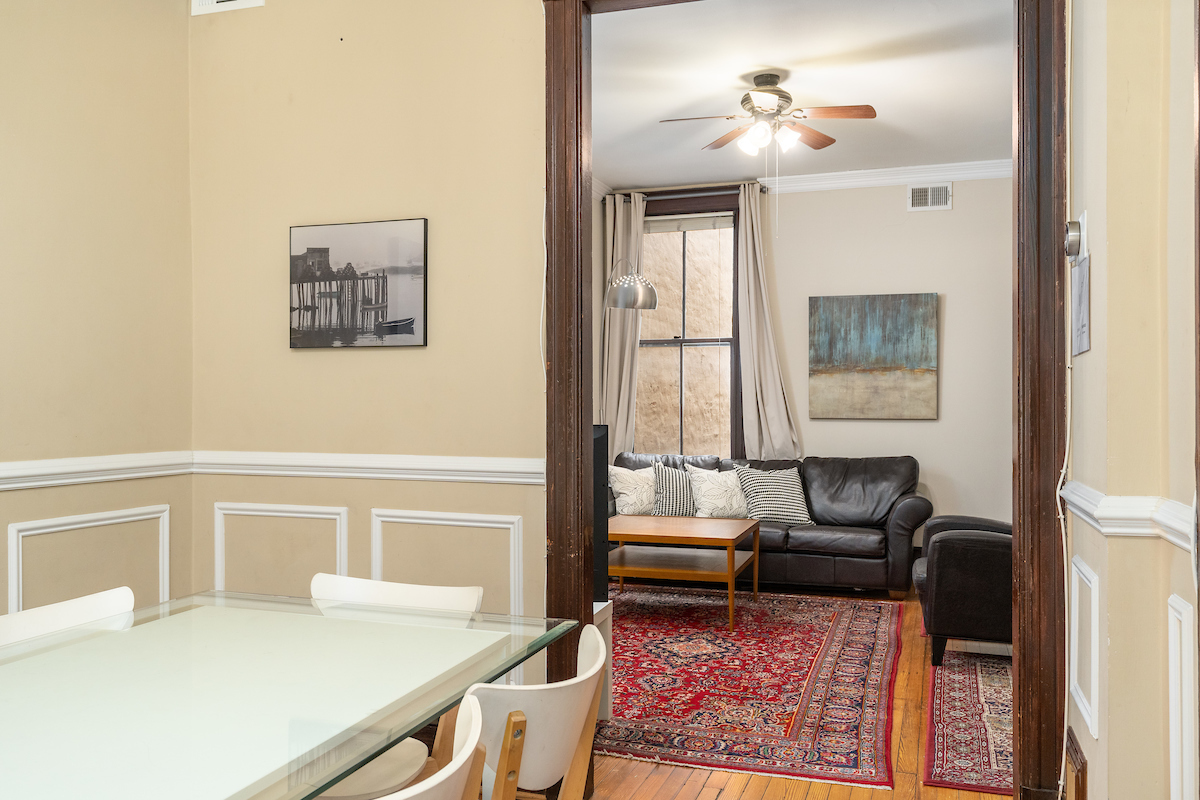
pixel 1039 367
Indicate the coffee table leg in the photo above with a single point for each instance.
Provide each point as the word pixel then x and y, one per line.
pixel 756 564
pixel 729 560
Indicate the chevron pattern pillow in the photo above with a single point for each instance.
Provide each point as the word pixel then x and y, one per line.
pixel 672 493
pixel 774 495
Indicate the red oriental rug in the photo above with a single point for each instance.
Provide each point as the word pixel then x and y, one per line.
pixel 969 730
pixel 801 688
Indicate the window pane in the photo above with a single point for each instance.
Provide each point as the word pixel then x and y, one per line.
pixel 662 264
pixel 656 418
pixel 709 284
pixel 705 400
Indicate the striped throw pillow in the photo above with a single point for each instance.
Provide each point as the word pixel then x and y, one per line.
pixel 672 493
pixel 774 495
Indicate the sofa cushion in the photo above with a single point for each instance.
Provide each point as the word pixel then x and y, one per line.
pixel 672 493
pixel 717 494
pixel 837 541
pixel 772 538
pixel 632 490
pixel 728 464
pixel 777 495
pixel 643 460
pixel 858 492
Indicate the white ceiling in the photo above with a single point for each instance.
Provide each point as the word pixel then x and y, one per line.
pixel 938 72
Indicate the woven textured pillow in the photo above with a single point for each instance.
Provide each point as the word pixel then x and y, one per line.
pixel 672 493
pixel 717 494
pixel 633 489
pixel 774 495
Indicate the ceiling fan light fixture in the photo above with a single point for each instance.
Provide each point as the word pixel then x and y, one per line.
pixel 786 137
pixel 765 101
pixel 748 147
pixel 759 134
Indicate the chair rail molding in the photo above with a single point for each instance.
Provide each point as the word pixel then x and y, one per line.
pixel 891 176
pixel 17 531
pixel 129 466
pixel 1087 699
pixel 340 515
pixel 1131 515
pixel 511 524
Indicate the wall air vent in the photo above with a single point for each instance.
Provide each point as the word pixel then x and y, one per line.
pixel 213 6
pixel 930 197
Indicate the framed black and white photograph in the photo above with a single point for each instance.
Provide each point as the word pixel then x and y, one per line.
pixel 359 284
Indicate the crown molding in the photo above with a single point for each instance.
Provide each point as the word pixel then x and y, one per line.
pixel 891 176
pixel 95 469
pixel 1131 515
pixel 600 188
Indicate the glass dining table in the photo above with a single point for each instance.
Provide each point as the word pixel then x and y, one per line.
pixel 226 696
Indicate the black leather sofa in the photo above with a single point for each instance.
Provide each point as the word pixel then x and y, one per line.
pixel 964 581
pixel 865 509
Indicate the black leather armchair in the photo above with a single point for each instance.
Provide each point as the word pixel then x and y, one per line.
pixel 964 581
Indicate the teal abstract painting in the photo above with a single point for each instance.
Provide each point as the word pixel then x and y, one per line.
pixel 873 356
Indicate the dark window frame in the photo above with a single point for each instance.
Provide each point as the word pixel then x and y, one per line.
pixel 712 199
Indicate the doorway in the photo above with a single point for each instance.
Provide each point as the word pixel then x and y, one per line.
pixel 1039 369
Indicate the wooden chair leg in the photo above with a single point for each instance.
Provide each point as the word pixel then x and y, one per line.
pixel 443 741
pixel 576 778
pixel 474 788
pixel 508 766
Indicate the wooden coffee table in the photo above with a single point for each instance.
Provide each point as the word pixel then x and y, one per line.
pixel 696 556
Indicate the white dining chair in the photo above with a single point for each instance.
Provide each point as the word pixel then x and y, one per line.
pixel 462 777
pixel 384 593
pixel 404 762
pixel 559 723
pixel 111 608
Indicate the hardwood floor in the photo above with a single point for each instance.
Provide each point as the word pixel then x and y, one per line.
pixel 625 779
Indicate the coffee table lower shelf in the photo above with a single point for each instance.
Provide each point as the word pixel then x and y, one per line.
pixel 706 565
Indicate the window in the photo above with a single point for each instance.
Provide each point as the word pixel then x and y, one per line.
pixel 687 354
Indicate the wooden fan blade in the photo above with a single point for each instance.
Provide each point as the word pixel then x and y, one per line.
pixel 727 138
pixel 720 116
pixel 813 138
pixel 838 112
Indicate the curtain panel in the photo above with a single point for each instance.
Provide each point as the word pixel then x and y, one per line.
pixel 624 219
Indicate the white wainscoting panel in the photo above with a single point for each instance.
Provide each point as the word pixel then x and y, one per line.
pixel 1086 692
pixel 338 514
pixel 17 531
pixel 1181 690
pixel 509 524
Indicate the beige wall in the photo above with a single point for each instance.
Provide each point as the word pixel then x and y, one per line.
pixel 96 308
pixel 311 112
pixel 864 241
pixel 1134 400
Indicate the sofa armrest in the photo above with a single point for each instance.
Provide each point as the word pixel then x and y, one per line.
pixel 951 522
pixel 968 585
pixel 907 514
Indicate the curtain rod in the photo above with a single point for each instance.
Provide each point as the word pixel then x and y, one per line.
pixel 690 191
pixel 712 193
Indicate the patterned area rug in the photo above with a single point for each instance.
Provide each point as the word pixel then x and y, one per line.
pixel 969 732
pixel 801 688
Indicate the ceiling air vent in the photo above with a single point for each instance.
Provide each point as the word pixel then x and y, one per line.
pixel 930 197
pixel 213 6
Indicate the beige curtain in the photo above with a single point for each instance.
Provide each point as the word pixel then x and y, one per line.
pixel 624 217
pixel 766 417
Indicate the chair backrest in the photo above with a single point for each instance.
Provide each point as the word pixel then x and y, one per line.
pixel 384 593
pixel 556 714
pixel 450 782
pixel 112 606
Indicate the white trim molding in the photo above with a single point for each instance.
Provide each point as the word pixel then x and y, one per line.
pixel 1086 699
pixel 511 524
pixel 17 532
pixel 600 189
pixel 95 469
pixel 340 515
pixel 1181 696
pixel 1130 515
pixel 891 176
pixel 92 469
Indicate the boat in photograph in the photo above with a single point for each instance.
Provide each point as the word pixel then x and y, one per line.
pixel 395 326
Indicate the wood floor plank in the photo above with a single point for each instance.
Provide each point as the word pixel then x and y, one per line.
pixel 818 791
pixel 655 784
pixel 718 779
pixel 709 793
pixel 734 786
pixel 905 787
pixel 839 791
pixel 756 787
pixel 777 788
pixel 798 790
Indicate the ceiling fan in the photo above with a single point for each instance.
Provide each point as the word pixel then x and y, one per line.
pixel 770 108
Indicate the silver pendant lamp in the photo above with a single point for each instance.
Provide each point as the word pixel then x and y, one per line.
pixel 631 291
